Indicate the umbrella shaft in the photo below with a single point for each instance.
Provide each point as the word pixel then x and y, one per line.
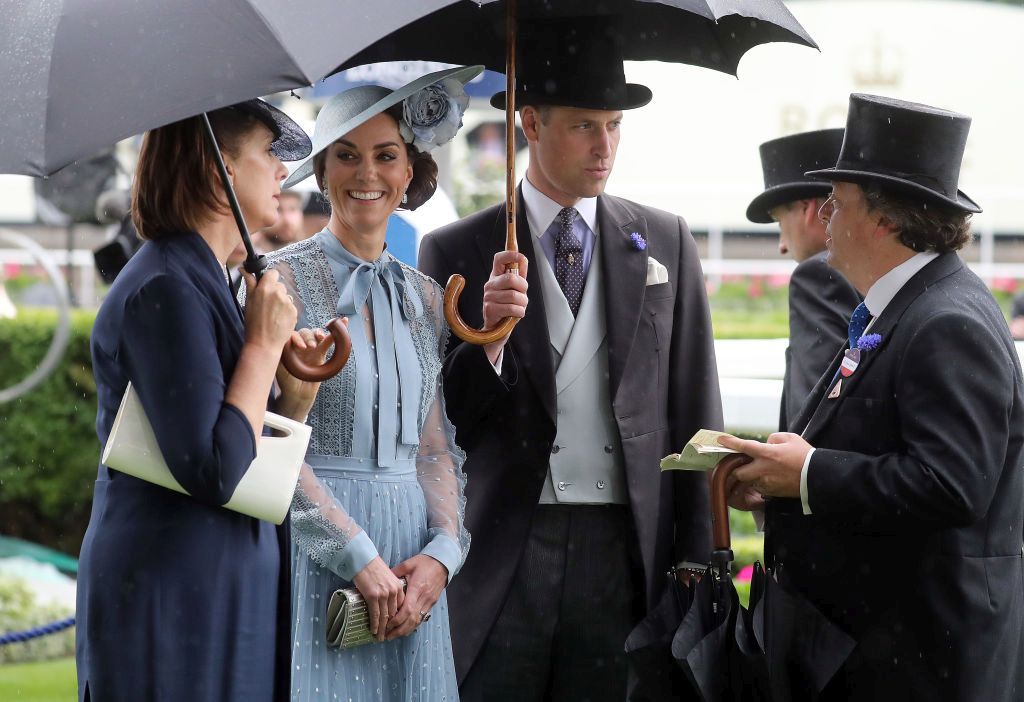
pixel 510 126
pixel 253 262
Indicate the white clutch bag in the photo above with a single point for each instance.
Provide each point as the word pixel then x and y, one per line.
pixel 266 489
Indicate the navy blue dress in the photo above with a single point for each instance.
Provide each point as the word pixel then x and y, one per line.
pixel 178 598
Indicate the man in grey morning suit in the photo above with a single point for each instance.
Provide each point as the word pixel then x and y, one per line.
pixel 574 526
pixel 820 298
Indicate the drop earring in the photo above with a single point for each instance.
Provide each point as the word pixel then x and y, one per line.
pixel 405 198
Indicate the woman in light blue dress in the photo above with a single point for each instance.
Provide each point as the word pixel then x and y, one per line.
pixel 383 495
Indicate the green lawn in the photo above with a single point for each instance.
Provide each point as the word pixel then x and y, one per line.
pixel 46 681
pixel 750 324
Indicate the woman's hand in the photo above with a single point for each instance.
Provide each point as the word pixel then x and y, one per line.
pixel 270 314
pixel 427 579
pixel 383 593
pixel 297 396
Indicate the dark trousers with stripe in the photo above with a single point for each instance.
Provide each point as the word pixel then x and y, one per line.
pixel 573 602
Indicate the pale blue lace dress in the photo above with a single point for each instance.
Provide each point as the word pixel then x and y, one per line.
pixel 386 474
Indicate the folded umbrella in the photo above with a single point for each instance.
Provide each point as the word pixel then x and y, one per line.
pixel 802 649
pixel 778 649
pixel 649 647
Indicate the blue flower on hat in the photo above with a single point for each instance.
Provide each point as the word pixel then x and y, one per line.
pixel 639 243
pixel 869 341
pixel 432 116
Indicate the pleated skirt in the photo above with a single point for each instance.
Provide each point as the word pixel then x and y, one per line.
pixel 418 667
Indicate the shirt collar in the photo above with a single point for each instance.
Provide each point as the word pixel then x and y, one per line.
pixel 542 210
pixel 885 288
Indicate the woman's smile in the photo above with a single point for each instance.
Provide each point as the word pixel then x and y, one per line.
pixel 366 194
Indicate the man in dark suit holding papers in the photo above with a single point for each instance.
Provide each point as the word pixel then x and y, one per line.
pixel 898 508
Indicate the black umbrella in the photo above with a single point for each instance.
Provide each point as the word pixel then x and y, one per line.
pixel 697 32
pixel 705 645
pixel 80 75
pixel 702 33
pixel 780 648
pixel 800 649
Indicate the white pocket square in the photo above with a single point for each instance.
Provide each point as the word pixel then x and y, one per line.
pixel 656 272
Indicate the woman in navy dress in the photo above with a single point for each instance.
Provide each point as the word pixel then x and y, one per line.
pixel 178 598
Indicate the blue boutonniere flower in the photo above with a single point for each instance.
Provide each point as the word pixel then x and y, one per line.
pixel 432 116
pixel 869 341
pixel 639 243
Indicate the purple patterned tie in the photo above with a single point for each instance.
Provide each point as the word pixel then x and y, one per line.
pixel 569 260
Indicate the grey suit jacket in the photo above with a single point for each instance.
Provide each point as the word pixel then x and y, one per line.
pixel 663 383
pixel 820 303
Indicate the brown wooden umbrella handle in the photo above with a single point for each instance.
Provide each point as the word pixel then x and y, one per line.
pixel 315 374
pixel 462 330
pixel 456 283
pixel 719 499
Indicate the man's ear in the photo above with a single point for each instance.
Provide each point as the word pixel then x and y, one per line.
pixel 809 213
pixel 529 116
pixel 884 228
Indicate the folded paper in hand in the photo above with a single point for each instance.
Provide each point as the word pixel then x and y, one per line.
pixel 702 452
pixel 265 491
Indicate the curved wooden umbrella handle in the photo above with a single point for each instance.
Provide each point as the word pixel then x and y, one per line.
pixel 315 374
pixel 452 291
pixel 719 500
pixel 456 283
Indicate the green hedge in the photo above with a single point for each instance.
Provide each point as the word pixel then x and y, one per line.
pixel 19 611
pixel 48 446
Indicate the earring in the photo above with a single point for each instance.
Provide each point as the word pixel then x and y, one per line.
pixel 405 198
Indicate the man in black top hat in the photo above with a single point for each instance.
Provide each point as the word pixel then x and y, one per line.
pixel 820 298
pixel 574 527
pixel 898 510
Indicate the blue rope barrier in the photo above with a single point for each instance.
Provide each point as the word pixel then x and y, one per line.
pixel 36 632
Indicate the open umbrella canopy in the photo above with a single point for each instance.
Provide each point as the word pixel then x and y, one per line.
pixel 709 33
pixel 80 75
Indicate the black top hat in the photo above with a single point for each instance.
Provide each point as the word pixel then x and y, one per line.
pixel 573 63
pixel 784 162
pixel 905 146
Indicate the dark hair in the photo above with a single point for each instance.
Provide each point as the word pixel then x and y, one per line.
pixel 176 182
pixel 920 224
pixel 424 169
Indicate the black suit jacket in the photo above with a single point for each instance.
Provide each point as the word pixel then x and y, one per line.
pixel 820 303
pixel 914 546
pixel 663 382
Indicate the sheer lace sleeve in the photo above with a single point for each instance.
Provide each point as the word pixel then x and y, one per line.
pixel 439 465
pixel 323 529
pixel 319 524
pixel 288 279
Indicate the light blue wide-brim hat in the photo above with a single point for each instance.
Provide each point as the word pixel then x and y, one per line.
pixel 346 111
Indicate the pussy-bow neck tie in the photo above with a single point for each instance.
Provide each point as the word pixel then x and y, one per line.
pixel 383 281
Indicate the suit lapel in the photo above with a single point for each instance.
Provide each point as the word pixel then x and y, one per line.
pixel 625 274
pixel 530 338
pixel 939 268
